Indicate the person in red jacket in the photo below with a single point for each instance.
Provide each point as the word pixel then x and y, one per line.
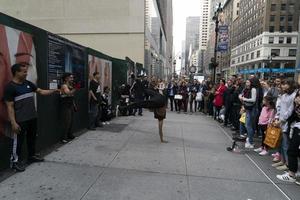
pixel 218 101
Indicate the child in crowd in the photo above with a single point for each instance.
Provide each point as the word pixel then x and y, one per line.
pixel 266 117
pixel 243 130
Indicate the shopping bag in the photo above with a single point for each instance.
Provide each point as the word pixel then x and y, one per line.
pixel 199 96
pixel 273 136
pixel 178 97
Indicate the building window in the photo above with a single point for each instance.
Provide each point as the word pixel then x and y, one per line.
pixel 271 40
pixel 257 54
pixel 288 40
pixel 275 52
pixel 282 18
pixel 289 29
pixel 290 18
pixel 281 28
pixel 273 7
pixel 291 7
pixel 281 40
pixel 272 18
pixel 293 52
pixel 283 6
pixel 247 57
pixel 252 56
pixel 271 29
pixel 242 58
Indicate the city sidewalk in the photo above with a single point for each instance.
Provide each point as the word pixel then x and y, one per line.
pixel 125 160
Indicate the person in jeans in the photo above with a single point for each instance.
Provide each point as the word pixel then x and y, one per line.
pixel 67 106
pixel 249 99
pixel 19 99
pixel 193 89
pixel 95 99
pixel 293 150
pixel 285 108
pixel 172 90
pixel 184 93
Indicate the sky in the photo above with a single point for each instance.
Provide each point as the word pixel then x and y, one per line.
pixel 181 10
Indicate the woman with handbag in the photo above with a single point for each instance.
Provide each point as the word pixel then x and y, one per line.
pixel 294 147
pixel 285 108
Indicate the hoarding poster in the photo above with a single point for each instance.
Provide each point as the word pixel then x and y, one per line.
pixel 65 56
pixel 104 67
pixel 223 39
pixel 15 47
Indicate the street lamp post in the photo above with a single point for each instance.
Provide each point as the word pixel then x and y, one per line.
pixel 214 60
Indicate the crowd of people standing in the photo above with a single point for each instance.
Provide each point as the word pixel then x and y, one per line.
pixel 248 107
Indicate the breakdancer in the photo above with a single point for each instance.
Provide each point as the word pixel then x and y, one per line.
pixel 156 102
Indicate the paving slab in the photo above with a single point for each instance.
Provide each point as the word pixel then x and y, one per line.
pixel 51 181
pixel 121 184
pixel 87 152
pixel 151 159
pixel 221 164
pixel 222 189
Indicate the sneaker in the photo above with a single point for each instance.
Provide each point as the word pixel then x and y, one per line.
pixel 282 168
pixel 280 163
pixel 243 136
pixel 64 141
pixel 236 150
pixel 276 159
pixel 260 149
pixel 107 123
pixel 286 177
pixel 249 146
pixel 275 154
pixel 247 140
pixel 18 167
pixel 263 152
pixel 297 182
pixel 35 158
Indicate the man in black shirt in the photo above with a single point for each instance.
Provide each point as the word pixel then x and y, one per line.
pixel 95 98
pixel 137 90
pixel 19 99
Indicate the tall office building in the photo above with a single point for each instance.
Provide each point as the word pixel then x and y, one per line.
pixel 204 32
pixel 204 24
pixel 266 37
pixel 191 38
pixel 209 52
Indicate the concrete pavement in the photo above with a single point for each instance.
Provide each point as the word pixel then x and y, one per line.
pixel 126 161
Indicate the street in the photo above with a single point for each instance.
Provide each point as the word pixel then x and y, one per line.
pixel 125 160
